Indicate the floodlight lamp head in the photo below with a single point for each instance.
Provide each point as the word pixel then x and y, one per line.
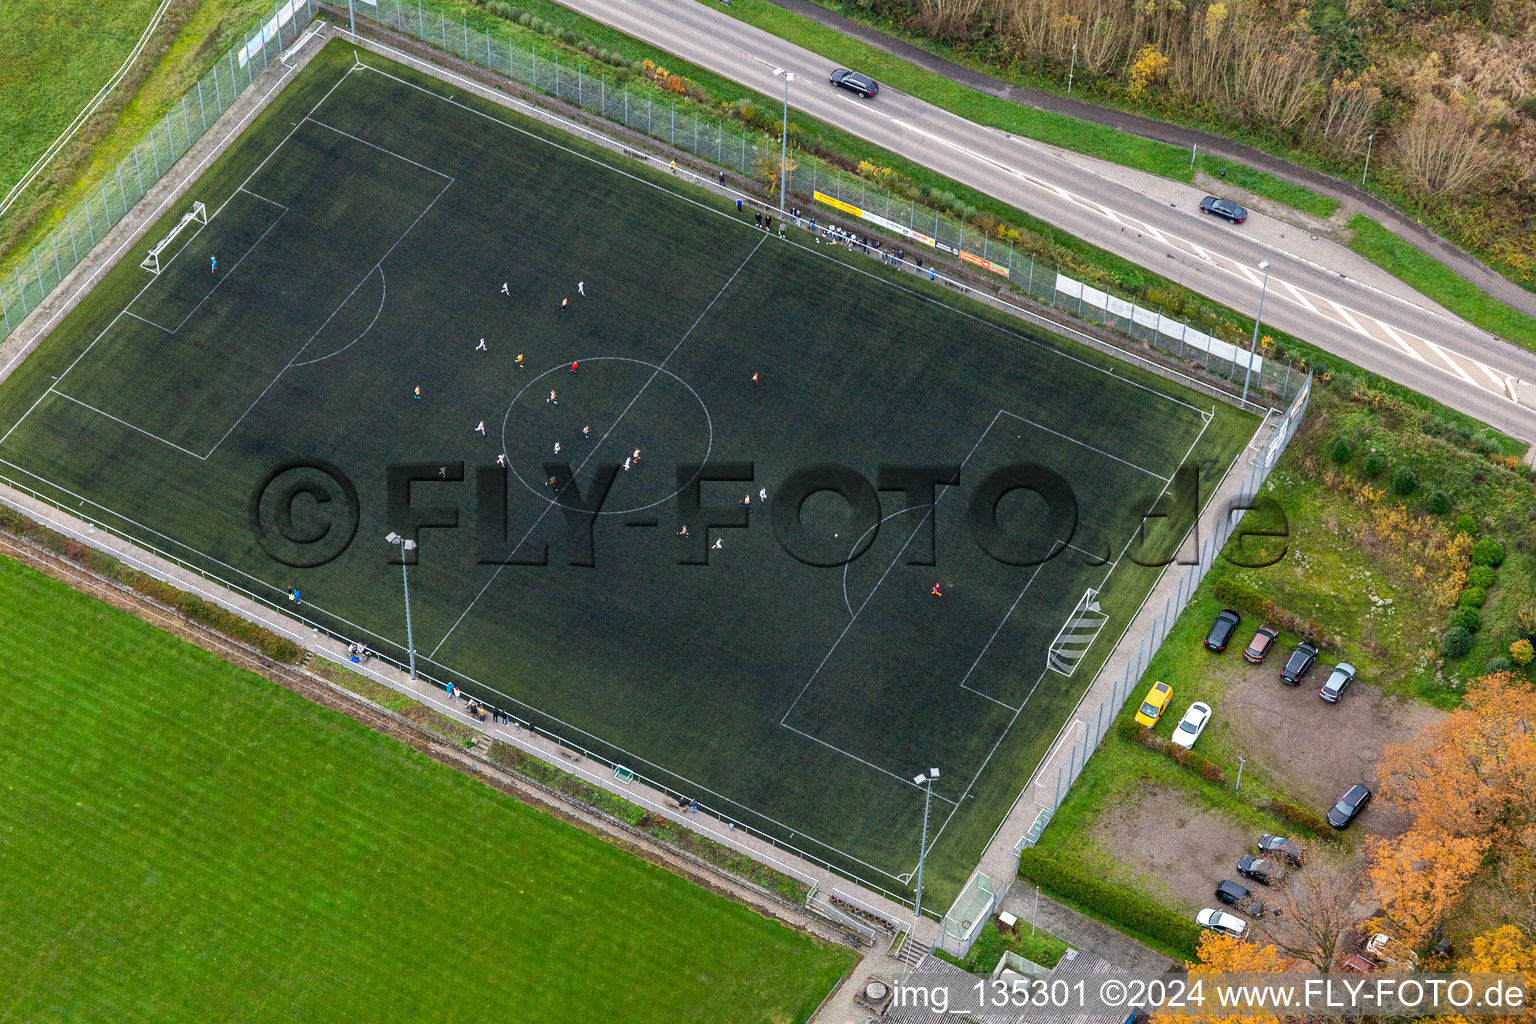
pixel 393 538
pixel 919 779
pixel 933 773
pixel 1263 264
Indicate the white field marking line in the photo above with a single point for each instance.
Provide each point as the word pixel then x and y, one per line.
pixel 868 597
pixel 885 519
pixel 217 285
pixel 1085 444
pixel 579 129
pixel 294 358
pixel 381 149
pixel 1044 671
pixel 383 297
pixel 988 646
pixel 151 323
pixel 263 198
pixel 1224 263
pixel 213 597
pixel 593 452
pixel 125 423
pixel 110 262
pixel 868 764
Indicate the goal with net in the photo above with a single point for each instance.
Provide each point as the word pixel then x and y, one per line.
pixel 198 214
pixel 1077 635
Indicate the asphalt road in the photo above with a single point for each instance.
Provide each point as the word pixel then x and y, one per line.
pixel 1359 313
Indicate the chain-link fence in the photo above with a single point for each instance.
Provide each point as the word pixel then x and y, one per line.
pixel 1103 717
pixel 592 86
pixel 110 199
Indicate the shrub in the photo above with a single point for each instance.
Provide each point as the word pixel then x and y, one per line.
pixel 1498 663
pixel 1373 464
pixel 1123 906
pixel 1438 503
pixel 1300 816
pixel 1522 652
pixel 1456 642
pixel 1488 552
pixel 1481 576
pixel 1467 618
pixel 1467 525
pixel 1472 597
pixel 1343 451
pixel 1404 481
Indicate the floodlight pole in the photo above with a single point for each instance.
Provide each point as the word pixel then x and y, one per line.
pixel 1264 266
pixel 1071 70
pixel 405 579
pixel 1240 762
pixel 784 143
pixel 1368 140
pixel 926 781
pixel 352 20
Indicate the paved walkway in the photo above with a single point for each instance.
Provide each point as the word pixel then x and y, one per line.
pixel 1402 225
pixel 1084 932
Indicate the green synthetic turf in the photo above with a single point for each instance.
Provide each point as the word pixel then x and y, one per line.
pixel 364 227
pixel 183 840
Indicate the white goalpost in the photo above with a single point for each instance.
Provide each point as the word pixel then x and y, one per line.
pixel 1077 635
pixel 198 213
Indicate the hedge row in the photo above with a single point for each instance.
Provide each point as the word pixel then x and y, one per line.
pixel 192 607
pixel 1234 593
pixel 1128 729
pixel 1124 907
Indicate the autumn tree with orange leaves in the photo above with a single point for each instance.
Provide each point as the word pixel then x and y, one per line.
pixel 1223 954
pixel 1470 782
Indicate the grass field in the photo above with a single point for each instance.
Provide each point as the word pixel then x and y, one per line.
pixel 364 227
pixel 181 835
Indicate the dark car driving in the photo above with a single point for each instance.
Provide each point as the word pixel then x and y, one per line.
pixel 1221 632
pixel 1349 805
pixel 855 82
pixel 1218 207
pixel 1298 664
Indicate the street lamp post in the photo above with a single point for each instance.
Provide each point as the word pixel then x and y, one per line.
pixel 405 545
pixel 926 781
pixel 784 142
pixel 1368 140
pixel 1071 69
pixel 1240 762
pixel 1264 266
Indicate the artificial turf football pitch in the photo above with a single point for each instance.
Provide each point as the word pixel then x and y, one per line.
pixel 364 226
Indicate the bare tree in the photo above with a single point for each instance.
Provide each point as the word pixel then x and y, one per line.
pixel 1317 914
pixel 1443 150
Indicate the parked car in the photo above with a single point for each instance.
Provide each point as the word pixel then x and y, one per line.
pixel 1288 850
pixel 855 82
pixel 1298 664
pixel 1223 208
pixel 1155 703
pixel 1219 921
pixel 1349 806
pixel 1260 870
pixel 1342 675
pixel 1222 630
pixel 1192 724
pixel 1231 893
pixel 1259 645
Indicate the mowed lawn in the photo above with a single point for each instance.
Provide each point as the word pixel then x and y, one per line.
pixel 183 840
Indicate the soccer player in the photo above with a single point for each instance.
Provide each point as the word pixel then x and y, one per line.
pixel 501 460
pixel 418 391
pixel 573 367
pixel 586 432
pixel 564 302
pixel 504 289
pixel 481 428
pixel 557 447
pixel 520 361
pixel 719 543
pixel 626 465
pixel 581 288
pixel 936 592
pixel 636 456
pixel 551 400
pixel 754 378
pixel 481 347
pixel 213 264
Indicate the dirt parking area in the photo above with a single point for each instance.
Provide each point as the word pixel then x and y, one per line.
pixel 1307 747
pixel 1179 848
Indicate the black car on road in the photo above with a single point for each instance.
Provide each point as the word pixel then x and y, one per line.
pixel 1218 207
pixel 1298 664
pixel 855 82
pixel 1349 806
pixel 1221 632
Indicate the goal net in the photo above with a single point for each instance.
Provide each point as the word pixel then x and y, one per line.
pixel 198 214
pixel 1077 635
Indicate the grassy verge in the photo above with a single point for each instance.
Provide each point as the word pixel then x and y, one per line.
pixel 193 35
pixel 1440 283
pixel 1095 140
pixel 227 836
